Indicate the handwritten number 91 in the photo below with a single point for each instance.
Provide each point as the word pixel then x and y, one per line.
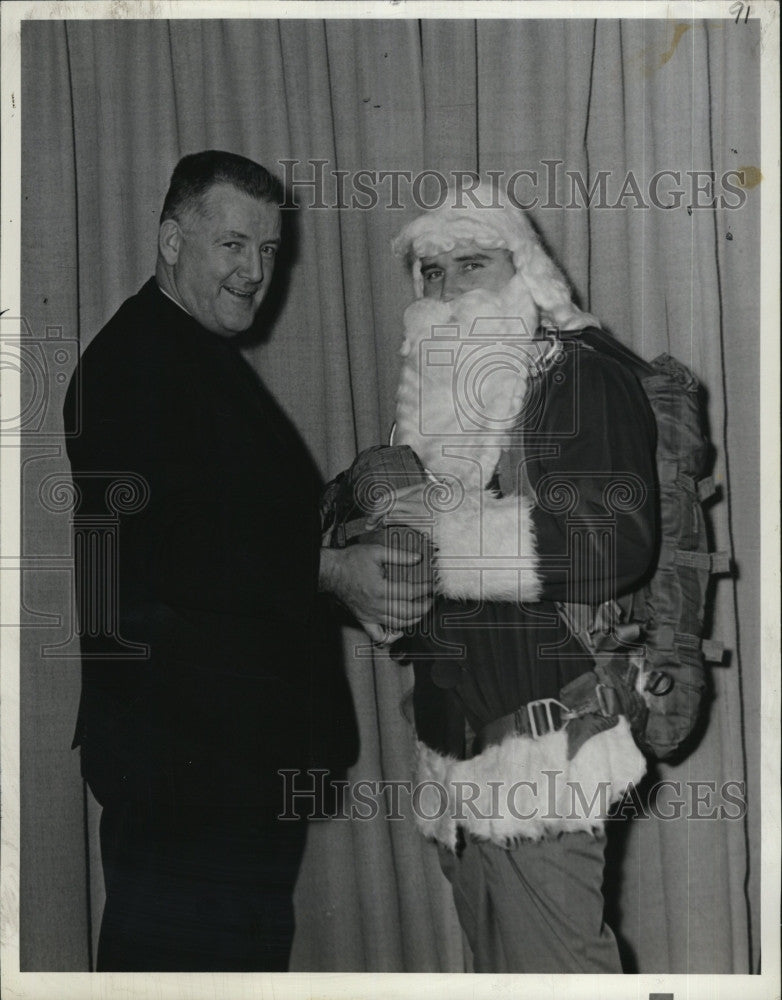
pixel 738 10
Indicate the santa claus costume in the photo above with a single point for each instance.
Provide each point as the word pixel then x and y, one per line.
pixel 543 452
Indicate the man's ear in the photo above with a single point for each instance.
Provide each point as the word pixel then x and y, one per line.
pixel 169 241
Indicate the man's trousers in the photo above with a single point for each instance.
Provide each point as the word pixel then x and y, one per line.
pixel 212 893
pixel 535 908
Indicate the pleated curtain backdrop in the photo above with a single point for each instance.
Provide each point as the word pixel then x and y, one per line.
pixel 108 108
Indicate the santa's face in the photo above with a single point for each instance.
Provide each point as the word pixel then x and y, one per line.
pixel 465 371
pixel 467 267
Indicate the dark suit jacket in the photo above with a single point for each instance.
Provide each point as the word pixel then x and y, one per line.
pixel 217 573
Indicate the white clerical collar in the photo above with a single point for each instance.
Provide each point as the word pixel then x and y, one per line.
pixel 174 300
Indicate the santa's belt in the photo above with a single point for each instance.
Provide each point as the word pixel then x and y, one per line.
pixel 583 696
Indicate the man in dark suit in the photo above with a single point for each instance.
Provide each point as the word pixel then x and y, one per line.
pixel 218 568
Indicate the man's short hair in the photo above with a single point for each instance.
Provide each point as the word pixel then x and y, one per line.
pixel 195 174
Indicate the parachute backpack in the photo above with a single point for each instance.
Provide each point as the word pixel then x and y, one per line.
pixel 648 645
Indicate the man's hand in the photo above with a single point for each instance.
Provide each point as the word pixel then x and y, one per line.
pixel 362 577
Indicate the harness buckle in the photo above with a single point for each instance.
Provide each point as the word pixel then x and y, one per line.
pixel 541 717
pixel 608 700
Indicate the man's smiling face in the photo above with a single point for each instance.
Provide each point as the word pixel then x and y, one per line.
pixel 224 259
pixel 463 269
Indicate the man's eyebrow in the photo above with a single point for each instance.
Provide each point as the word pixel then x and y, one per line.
pixel 234 234
pixel 470 255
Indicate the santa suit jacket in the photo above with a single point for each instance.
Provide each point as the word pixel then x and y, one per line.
pixel 216 568
pixel 592 429
pixel 586 453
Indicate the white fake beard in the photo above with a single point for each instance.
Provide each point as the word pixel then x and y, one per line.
pixel 463 383
pixel 464 377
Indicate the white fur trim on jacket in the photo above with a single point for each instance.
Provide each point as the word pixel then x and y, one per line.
pixel 524 788
pixel 486 549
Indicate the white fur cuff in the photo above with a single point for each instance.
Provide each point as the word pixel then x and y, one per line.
pixel 486 549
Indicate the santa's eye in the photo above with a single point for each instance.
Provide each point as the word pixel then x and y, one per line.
pixel 432 274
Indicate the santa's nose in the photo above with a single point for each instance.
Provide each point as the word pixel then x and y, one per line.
pixel 452 287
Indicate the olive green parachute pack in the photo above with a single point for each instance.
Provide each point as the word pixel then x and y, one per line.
pixel 649 644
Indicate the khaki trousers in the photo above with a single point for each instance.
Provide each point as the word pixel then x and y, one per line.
pixel 535 908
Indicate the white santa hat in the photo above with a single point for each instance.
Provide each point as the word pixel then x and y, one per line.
pixel 492 227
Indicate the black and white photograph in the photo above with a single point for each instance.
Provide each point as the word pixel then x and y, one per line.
pixel 389 467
